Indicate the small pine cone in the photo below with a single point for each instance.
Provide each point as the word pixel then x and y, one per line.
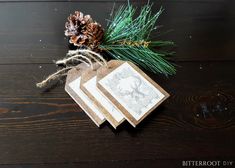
pixel 83 31
pixel 76 23
pixel 95 33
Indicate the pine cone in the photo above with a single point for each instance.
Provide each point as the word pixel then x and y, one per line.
pixel 83 31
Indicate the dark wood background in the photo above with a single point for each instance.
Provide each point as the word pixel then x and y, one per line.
pixel 45 128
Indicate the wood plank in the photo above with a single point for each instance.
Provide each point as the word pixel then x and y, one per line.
pixel 87 1
pixel 197 121
pixel 180 1
pixel 33 33
pixel 104 164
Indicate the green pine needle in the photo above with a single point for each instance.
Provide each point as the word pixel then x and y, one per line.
pixel 128 38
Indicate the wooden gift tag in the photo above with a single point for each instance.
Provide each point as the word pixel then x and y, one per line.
pixel 72 87
pixel 88 85
pixel 130 89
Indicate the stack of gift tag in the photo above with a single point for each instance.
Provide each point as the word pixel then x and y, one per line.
pixel 115 92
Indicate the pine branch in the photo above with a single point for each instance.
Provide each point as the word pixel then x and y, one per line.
pixel 141 56
pixel 128 38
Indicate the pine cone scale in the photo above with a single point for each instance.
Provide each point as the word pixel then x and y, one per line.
pixel 83 31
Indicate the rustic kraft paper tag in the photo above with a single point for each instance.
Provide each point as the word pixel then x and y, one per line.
pixel 72 87
pixel 88 85
pixel 134 93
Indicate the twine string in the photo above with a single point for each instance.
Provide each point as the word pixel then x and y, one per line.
pixel 76 57
pixel 81 55
pixel 96 54
pixel 53 77
pixel 94 58
pixel 86 55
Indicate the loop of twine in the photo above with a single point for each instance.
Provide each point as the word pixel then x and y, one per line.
pixel 52 77
pixel 96 54
pixel 76 57
pixel 81 55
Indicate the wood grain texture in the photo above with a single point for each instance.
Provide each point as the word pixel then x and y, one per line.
pixel 94 164
pixel 205 28
pixel 45 128
pixel 197 121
